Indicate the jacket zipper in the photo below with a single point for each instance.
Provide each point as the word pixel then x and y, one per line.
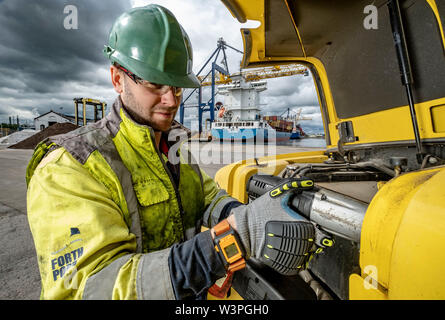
pixel 175 187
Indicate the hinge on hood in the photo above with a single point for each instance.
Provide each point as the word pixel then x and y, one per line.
pixel 346 132
pixel 346 135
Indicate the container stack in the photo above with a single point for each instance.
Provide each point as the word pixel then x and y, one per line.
pixel 278 123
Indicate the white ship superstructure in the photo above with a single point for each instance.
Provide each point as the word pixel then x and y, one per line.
pixel 239 119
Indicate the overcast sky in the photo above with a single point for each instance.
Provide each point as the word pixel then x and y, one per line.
pixel 43 66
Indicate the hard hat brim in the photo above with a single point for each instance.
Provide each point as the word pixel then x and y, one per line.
pixel 141 69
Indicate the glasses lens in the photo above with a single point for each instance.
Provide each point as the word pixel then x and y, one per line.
pixel 160 88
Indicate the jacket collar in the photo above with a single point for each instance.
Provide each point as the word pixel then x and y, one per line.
pixel 138 134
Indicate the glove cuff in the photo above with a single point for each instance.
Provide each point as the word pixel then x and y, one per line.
pixel 219 209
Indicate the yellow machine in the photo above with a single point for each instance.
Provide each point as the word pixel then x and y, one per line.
pixel 378 70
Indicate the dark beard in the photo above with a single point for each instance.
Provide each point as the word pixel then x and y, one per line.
pixel 130 100
pixel 135 117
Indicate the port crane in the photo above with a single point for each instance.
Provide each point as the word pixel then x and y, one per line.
pixel 214 70
pixel 220 75
pixel 296 116
pixel 259 74
pixel 98 106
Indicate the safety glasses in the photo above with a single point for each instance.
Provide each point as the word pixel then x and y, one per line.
pixel 159 89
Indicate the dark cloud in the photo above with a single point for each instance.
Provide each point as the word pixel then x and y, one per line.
pixel 43 66
pixel 35 42
pixel 39 58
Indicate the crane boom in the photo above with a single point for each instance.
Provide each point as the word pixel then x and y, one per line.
pixel 258 74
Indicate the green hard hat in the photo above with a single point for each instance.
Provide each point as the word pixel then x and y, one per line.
pixel 150 42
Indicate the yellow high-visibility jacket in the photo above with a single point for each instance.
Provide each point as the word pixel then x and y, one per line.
pixel 103 211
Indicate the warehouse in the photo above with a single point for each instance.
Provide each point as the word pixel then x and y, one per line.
pixel 50 118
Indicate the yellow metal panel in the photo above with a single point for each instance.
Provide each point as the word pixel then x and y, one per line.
pixel 385 216
pixel 380 126
pixel 395 124
pixel 250 10
pixel 224 177
pixel 243 174
pixel 254 10
pixel 233 178
pixel 438 118
pixel 272 167
pixel 418 257
pixel 433 6
pixel 360 290
pixel 297 157
pixel 388 125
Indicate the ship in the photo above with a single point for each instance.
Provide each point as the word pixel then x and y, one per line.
pixel 285 125
pixel 240 119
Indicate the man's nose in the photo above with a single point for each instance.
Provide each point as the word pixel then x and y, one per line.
pixel 169 98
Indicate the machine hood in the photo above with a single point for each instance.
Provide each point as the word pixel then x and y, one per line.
pixel 350 48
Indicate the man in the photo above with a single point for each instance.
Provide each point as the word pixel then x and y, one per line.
pixel 111 215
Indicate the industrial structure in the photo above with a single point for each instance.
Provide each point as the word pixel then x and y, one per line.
pixel 48 119
pixel 98 106
pixel 220 75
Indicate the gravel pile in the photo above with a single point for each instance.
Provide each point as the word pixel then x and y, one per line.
pixel 55 129
pixel 60 128
pixel 16 137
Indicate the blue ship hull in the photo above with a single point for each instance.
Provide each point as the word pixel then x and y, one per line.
pixel 247 134
pixel 295 135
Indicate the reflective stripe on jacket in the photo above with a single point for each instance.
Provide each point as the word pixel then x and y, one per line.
pixel 104 210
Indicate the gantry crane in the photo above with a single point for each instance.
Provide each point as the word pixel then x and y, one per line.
pixel 259 74
pixel 296 115
pixel 210 105
pixel 98 106
pixel 220 75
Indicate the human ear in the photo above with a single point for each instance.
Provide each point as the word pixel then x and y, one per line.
pixel 117 79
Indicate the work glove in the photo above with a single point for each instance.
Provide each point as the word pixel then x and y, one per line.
pixel 273 232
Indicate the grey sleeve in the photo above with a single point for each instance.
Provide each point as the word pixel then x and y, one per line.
pixel 153 280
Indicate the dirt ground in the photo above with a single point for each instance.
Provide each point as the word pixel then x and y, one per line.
pixel 19 274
